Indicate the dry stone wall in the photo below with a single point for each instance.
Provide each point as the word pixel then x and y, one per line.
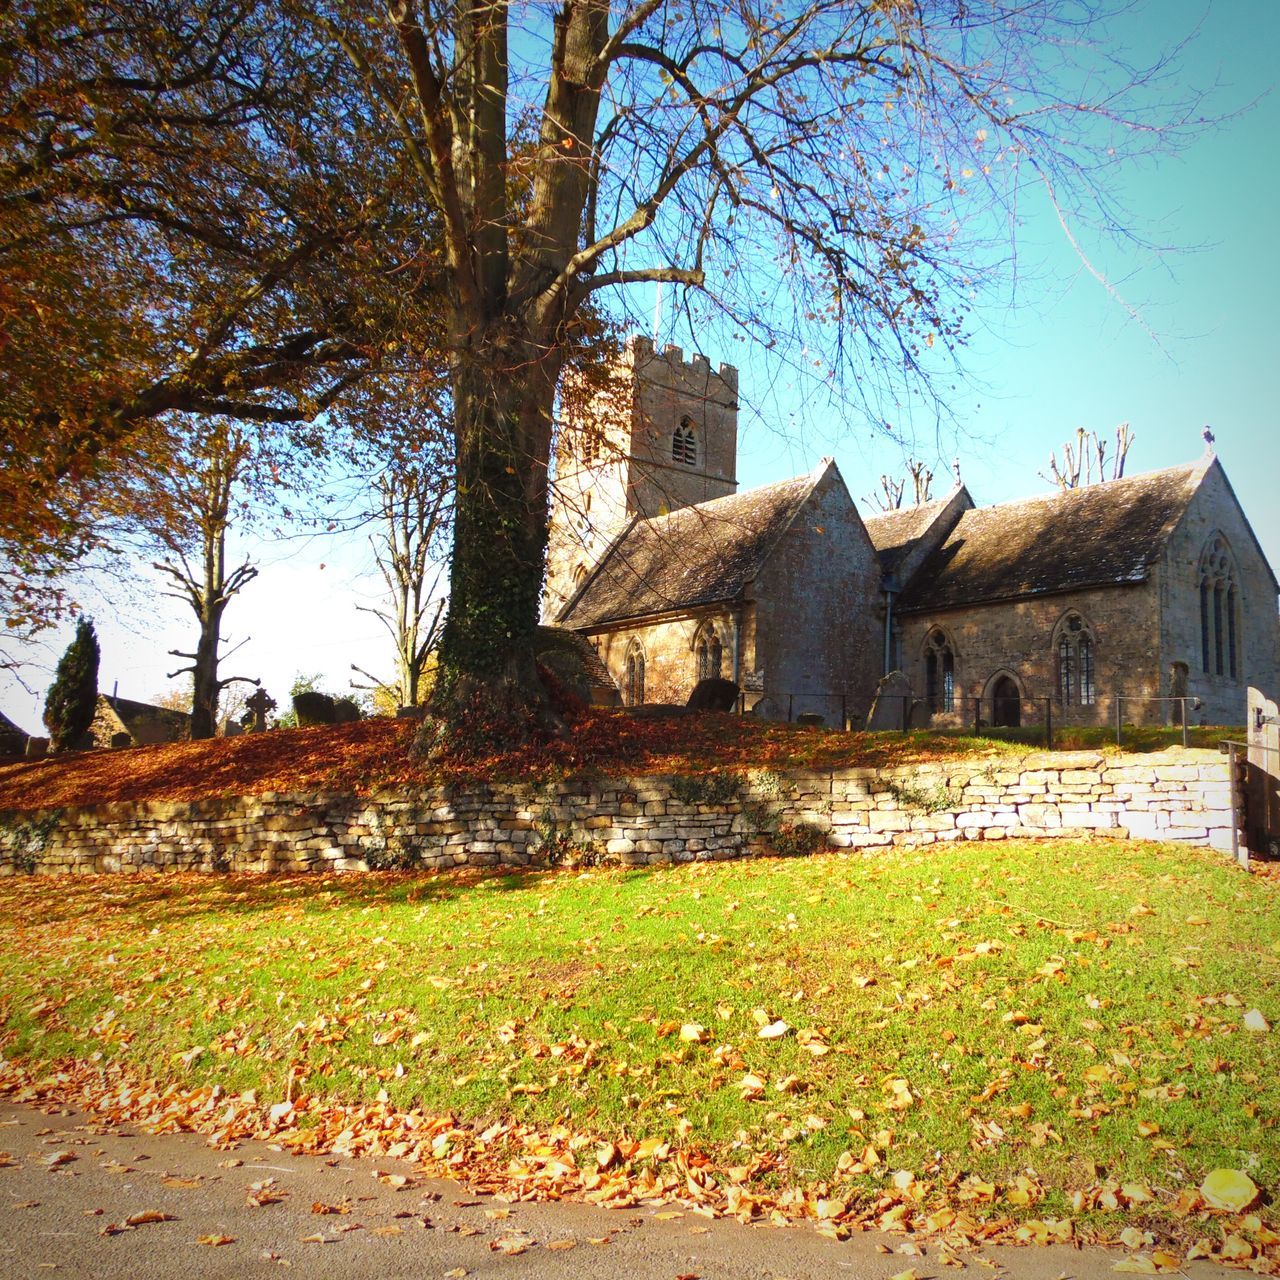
pixel 1180 795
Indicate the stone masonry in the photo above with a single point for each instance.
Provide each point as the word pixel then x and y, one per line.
pixel 1175 795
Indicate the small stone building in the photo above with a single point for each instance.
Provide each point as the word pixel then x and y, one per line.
pixel 143 724
pixel 1145 589
pixel 13 740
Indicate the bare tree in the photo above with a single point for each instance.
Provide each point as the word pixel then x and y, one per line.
pixel 412 510
pixel 843 149
pixel 893 488
pixel 188 514
pixel 1084 461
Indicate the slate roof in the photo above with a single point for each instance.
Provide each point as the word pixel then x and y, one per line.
pixel 592 663
pixel 9 729
pixel 131 712
pixel 697 555
pixel 1098 535
pixel 895 533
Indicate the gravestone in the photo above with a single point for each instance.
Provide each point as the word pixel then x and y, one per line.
pixel 258 706
pixel 713 694
pixel 765 709
pixel 120 740
pixel 891 706
pixel 921 716
pixel 37 748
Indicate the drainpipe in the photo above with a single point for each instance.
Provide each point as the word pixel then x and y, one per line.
pixel 737 647
pixel 890 589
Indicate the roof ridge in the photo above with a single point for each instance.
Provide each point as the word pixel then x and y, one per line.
pixel 1055 495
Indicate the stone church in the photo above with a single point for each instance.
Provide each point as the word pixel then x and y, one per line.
pixel 1148 588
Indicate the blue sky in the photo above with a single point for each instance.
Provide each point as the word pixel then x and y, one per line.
pixel 1065 353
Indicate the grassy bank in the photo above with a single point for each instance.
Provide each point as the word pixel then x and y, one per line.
pixel 1030 1031
pixel 378 753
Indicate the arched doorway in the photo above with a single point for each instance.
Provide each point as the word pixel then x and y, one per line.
pixel 1006 704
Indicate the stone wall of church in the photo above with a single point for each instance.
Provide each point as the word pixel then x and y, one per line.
pixel 670 651
pixel 1017 638
pixel 818 611
pixel 1214 511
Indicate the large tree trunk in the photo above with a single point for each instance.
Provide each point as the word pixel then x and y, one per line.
pixel 487 687
pixel 205 687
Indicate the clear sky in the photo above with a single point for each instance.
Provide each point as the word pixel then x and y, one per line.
pixel 1065 353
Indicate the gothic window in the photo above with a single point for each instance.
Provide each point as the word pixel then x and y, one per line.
pixel 633 684
pixel 1219 610
pixel 579 577
pixel 710 655
pixel 1074 650
pixel 939 672
pixel 684 444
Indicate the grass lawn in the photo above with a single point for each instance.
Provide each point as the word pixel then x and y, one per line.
pixel 1032 1032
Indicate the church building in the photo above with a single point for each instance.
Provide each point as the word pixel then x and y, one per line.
pixel 1148 588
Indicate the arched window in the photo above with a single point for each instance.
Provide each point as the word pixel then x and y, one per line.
pixel 1074 651
pixel 684 444
pixel 633 682
pixel 710 654
pixel 1219 610
pixel 579 577
pixel 939 672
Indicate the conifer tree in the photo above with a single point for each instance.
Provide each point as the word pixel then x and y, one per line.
pixel 70 702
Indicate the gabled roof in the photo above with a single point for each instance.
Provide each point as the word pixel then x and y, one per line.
pixel 697 555
pixel 7 727
pixel 894 534
pixel 593 667
pixel 1098 535
pixel 131 712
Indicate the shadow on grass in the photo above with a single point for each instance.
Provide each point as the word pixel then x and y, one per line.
pixel 165 897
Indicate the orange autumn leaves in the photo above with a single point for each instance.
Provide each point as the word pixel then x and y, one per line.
pixel 376 753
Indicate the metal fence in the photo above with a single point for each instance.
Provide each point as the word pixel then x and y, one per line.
pixel 1037 718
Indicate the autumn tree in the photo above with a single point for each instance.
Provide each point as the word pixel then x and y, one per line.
pixel 73 696
pixel 1085 460
pixel 807 170
pixel 194 221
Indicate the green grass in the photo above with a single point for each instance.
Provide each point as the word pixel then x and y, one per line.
pixel 1041 1002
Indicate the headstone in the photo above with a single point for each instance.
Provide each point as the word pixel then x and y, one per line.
pixel 713 694
pixel 231 728
pixel 313 708
pixel 258 706
pixel 1178 674
pixel 119 740
pixel 410 713
pixel 37 748
pixel 346 711
pixel 891 706
pixel 766 709
pixel 921 716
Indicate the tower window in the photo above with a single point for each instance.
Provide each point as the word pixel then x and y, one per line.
pixel 684 444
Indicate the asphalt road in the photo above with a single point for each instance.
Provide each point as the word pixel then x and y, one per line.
pixel 73 1184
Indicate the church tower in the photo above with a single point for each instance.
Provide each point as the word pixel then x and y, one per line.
pixel 661 434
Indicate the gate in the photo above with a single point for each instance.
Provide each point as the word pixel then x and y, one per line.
pixel 1257 780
